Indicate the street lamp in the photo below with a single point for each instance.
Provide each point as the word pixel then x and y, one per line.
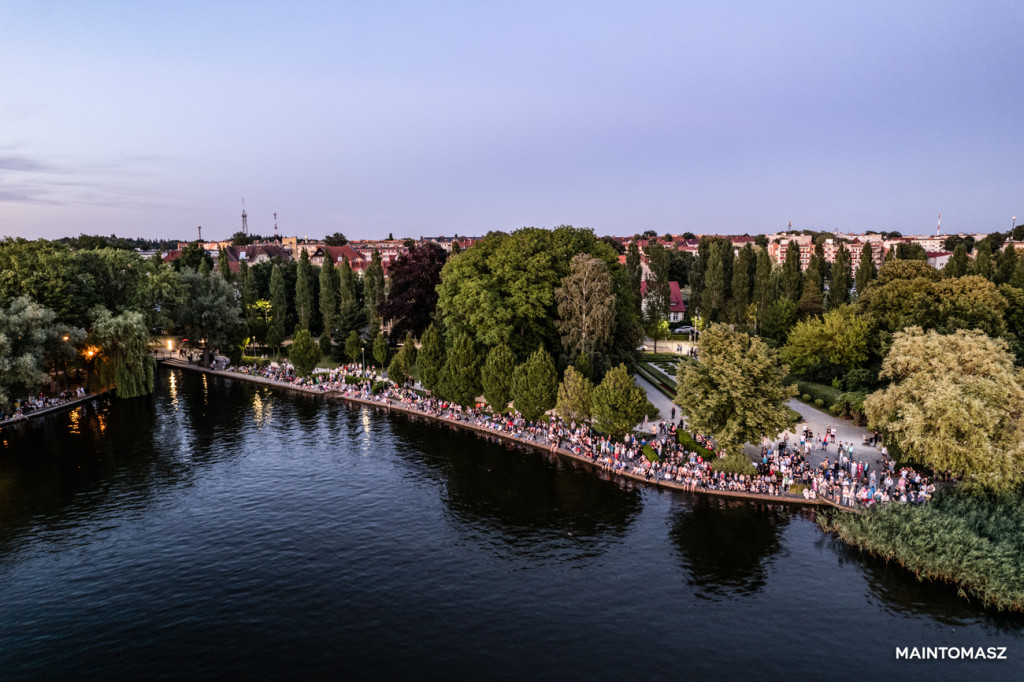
pixel 364 360
pixel 65 365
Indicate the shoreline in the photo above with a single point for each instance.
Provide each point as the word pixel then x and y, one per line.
pixel 52 409
pixel 657 483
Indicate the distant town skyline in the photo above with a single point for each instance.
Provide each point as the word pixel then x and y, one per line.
pixel 428 119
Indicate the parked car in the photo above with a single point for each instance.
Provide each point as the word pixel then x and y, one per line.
pixel 685 329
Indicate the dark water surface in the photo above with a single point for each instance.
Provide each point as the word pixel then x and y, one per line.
pixel 222 528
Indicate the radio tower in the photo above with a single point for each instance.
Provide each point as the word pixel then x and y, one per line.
pixel 245 220
pixel 275 226
pixel 938 227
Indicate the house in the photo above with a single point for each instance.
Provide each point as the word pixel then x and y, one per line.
pixel 676 304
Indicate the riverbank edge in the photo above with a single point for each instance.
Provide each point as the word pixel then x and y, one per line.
pixel 666 485
pixel 71 404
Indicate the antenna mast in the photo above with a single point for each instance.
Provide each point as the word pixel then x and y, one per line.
pixel 245 220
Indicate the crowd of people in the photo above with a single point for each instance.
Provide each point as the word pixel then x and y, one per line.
pixel 784 468
pixel 22 408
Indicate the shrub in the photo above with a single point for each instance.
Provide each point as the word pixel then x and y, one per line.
pixel 826 394
pixel 819 403
pixel 650 454
pixel 736 463
pixel 836 410
pixel 797 489
pixel 379 386
pixel 806 397
pixel 687 441
pixel 251 360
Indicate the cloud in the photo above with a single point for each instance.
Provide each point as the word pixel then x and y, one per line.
pixel 24 164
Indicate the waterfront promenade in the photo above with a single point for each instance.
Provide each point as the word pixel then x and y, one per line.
pixel 538 444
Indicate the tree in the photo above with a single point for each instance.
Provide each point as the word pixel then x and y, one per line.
pixel 699 271
pixel 617 403
pixel 828 347
pixel 304 352
pixel 866 270
pixel 496 377
pixel 124 344
pixel 1007 264
pixel 240 239
pixel 1017 278
pixel 336 239
pixel 574 396
pixel 373 291
pixel 791 274
pixel 839 291
pixel 535 385
pixel 735 392
pixel 351 316
pixel 380 349
pixel 303 291
pixel 680 265
pixel 278 304
pixel 954 404
pixel 25 329
pixel 192 257
pixel 778 320
pixel 403 362
pixel 982 265
pixel 412 295
pixel 353 346
pixel 209 312
pixel 223 266
pixel 634 269
pixel 743 284
pixel 713 296
pixel 431 359
pixel 328 297
pixel 811 300
pixel 460 378
pixel 958 264
pixel 586 306
pixel 819 263
pixel 765 289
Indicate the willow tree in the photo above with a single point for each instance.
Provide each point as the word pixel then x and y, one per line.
pixel 955 404
pixel 586 306
pixel 735 392
pixel 124 352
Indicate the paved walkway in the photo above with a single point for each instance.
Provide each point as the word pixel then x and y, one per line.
pixel 815 419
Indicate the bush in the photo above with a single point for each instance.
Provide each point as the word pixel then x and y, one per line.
pixel 797 489
pixel 819 403
pixel 650 454
pixel 806 397
pixel 836 410
pixel 686 440
pixel 379 386
pixel 826 394
pixel 251 360
pixel 736 463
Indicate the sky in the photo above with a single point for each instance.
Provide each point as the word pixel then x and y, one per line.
pixel 427 118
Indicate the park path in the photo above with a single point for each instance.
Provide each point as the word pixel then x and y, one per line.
pixel 816 420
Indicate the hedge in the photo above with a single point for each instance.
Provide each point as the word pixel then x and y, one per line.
pixel 826 394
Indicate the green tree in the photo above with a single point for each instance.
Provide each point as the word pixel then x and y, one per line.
pixel 460 378
pixel 1007 264
pixel 574 396
pixel 617 403
pixel 304 352
pixel 223 266
pixel 735 392
pixel 278 304
pixel 351 315
pixel 819 263
pixel 743 284
pixel 431 359
pixel 765 287
pixel 373 291
pixel 954 405
pixel 778 320
pixel 958 264
pixel 535 385
pixel 828 347
pixel 982 265
pixel 26 328
pixel 124 344
pixel 1017 278
pixel 328 295
pixel 353 346
pixel 866 270
pixel 401 365
pixel 792 279
pixel 699 271
pixel 336 239
pixel 713 296
pixel 380 349
pixel 634 269
pixel 303 291
pixel 839 290
pixel 496 377
pixel 210 313
pixel 811 300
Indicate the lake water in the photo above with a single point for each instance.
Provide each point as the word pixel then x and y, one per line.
pixel 223 528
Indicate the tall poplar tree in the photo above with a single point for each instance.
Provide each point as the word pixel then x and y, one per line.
pixel 1007 263
pixel 765 285
pixel 634 269
pixel 303 291
pixel 278 305
pixel 821 263
pixel 866 270
pixel 742 284
pixel 982 265
pixel 839 291
pixel 373 290
pixel 328 297
pixel 223 267
pixel 712 300
pixel 697 274
pixel 958 264
pixel 792 278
